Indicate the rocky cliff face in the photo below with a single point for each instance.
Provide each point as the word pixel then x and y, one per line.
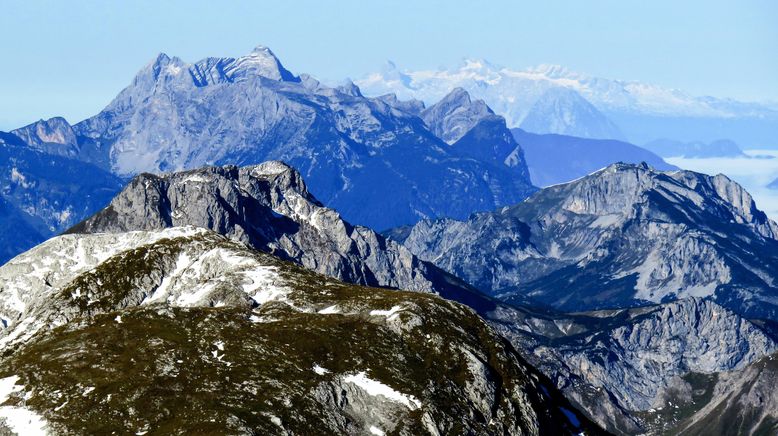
pixel 106 333
pixel 353 150
pixel 54 136
pixel 633 370
pixel 454 115
pixel 268 206
pixel 473 130
pixel 744 402
pixel 626 235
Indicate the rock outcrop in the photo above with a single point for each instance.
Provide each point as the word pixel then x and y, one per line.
pixel 268 207
pixel 625 236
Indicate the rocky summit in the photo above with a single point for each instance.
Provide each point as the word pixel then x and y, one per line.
pixel 353 150
pixel 625 236
pixel 268 206
pixel 182 330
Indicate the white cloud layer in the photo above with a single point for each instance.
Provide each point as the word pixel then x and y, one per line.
pixel 754 174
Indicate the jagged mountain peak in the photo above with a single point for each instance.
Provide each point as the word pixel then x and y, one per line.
pixel 717 195
pixel 54 135
pixel 349 88
pixel 554 71
pixel 352 149
pixel 626 235
pixel 262 62
pixel 412 106
pixel 455 114
pixel 268 207
pixel 457 97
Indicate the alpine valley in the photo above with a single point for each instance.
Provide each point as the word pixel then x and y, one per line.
pixel 232 248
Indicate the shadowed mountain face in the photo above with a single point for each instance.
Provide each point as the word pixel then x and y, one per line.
pixel 17 231
pixel 744 402
pixel 643 370
pixel 42 194
pixel 625 236
pixel 353 150
pixel 555 159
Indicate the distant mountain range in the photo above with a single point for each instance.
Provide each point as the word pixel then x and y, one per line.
pixel 624 236
pixel 554 159
pixel 697 149
pixel 353 150
pixel 586 106
pixel 630 296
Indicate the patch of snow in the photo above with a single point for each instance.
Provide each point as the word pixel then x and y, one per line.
pixel 376 388
pixel 390 314
pixel 319 370
pixel 18 178
pixel 182 263
pixel 8 386
pixel 23 421
pixel 64 216
pixel 330 310
pixel 376 431
pixel 20 420
pixel 605 221
pixel 195 178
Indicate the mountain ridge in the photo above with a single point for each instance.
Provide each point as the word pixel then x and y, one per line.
pixel 353 149
pixel 600 223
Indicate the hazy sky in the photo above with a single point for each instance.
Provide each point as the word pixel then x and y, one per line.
pixel 71 58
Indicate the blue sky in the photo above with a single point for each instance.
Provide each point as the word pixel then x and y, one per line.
pixel 72 58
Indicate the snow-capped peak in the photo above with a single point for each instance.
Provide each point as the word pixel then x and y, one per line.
pixel 513 92
pixel 553 71
pixel 481 65
pixel 263 62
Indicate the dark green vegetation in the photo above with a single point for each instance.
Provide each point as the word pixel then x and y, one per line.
pixel 119 368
